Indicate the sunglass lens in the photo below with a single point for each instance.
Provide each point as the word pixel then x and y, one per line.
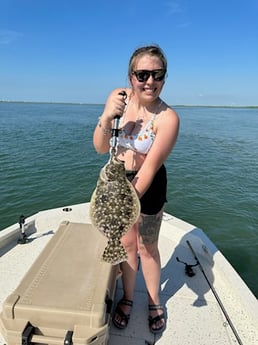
pixel 142 76
pixel 158 75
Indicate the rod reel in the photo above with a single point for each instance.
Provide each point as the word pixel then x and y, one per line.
pixel 188 268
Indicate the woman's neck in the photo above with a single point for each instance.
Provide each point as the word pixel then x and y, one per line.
pixel 145 106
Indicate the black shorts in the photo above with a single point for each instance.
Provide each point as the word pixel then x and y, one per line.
pixel 156 195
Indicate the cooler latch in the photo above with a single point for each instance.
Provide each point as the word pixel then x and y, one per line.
pixel 27 334
pixel 68 340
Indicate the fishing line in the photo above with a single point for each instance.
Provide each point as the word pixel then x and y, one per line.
pixel 216 295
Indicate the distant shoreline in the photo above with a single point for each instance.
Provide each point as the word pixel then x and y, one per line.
pixel 173 105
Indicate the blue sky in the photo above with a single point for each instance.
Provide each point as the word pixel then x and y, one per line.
pixel 78 51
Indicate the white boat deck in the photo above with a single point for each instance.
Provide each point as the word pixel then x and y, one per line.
pixel 194 315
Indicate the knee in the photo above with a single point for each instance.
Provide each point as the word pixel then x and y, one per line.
pixel 129 244
pixel 129 241
pixel 130 247
pixel 149 251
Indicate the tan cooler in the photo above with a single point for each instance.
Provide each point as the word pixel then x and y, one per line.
pixel 66 296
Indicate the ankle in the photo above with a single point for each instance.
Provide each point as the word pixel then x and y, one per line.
pixel 128 296
pixel 154 300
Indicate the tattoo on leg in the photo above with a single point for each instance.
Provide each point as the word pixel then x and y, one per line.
pixel 149 226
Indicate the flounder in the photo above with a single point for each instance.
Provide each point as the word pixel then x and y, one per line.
pixel 114 208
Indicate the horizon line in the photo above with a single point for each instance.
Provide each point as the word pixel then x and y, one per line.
pixel 174 105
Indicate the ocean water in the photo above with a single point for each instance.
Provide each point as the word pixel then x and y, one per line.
pixel 47 160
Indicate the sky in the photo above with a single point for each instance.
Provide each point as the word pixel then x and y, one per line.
pixel 78 51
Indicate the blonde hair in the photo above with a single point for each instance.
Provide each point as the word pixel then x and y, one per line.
pixel 153 50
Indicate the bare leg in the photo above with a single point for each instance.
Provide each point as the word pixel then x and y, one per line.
pixel 150 260
pixel 129 271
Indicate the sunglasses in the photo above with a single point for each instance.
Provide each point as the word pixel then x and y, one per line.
pixel 144 74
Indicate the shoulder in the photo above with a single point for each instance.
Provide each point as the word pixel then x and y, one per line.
pixel 167 117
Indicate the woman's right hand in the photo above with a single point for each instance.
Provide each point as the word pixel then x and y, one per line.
pixel 115 105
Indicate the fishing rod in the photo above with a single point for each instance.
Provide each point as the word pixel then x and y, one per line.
pixel 115 129
pixel 215 295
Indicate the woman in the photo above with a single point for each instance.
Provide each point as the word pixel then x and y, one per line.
pixel 148 132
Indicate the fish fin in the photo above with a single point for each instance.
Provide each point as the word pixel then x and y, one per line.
pixel 114 252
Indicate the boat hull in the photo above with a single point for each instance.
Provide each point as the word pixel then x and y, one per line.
pixel 193 312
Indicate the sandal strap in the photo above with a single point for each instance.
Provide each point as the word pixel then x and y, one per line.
pixel 124 318
pixel 122 314
pixel 155 319
pixel 155 307
pixel 125 301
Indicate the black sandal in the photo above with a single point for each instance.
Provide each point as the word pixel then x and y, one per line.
pixel 124 317
pixel 154 320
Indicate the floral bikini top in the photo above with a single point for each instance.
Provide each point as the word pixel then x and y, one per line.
pixel 140 142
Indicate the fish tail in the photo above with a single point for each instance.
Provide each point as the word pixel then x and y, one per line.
pixel 114 252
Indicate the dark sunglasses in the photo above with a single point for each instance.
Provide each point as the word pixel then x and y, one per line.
pixel 144 74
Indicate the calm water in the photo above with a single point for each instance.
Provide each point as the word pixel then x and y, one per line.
pixel 47 160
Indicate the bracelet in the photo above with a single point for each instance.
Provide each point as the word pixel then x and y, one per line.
pixel 105 131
